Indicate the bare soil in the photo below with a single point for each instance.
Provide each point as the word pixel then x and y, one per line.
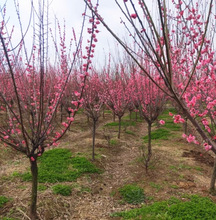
pixel 176 168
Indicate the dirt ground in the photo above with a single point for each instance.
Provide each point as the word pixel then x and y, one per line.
pixel 176 168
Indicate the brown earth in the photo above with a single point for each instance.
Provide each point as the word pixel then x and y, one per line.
pixel 176 168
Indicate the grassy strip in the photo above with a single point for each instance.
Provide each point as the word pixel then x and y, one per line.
pixel 58 165
pixel 174 209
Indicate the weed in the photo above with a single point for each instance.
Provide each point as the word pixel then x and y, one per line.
pixel 3 201
pixel 63 190
pixel 132 194
pixel 58 165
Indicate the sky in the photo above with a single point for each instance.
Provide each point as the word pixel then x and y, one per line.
pixel 70 11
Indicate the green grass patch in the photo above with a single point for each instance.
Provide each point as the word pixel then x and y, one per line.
pixel 161 133
pixel 3 201
pixel 174 209
pixel 123 124
pixel 132 194
pixel 113 142
pixel 155 186
pixel 58 165
pixel 42 187
pixel 130 132
pixel 63 190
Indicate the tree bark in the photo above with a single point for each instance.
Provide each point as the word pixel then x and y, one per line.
pixel 119 131
pixel 93 139
pixel 213 179
pixel 149 148
pixel 33 206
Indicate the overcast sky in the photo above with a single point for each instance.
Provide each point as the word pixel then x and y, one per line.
pixel 70 11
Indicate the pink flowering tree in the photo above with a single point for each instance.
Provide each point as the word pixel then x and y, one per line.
pixel 151 104
pixel 31 91
pixel 178 41
pixel 93 100
pixel 117 96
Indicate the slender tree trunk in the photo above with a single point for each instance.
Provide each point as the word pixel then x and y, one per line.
pixel 61 109
pixel 103 112
pixel 130 115
pixel 113 116
pixel 93 139
pixel 136 115
pixel 149 154
pixel 119 131
pixel 186 126
pixel 33 206
pixel 213 179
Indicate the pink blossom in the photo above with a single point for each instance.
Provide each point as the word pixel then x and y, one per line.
pixel 6 137
pixel 133 16
pixel 190 138
pixel 207 146
pixel 32 159
pixel 70 119
pixel 162 122
pixel 184 135
pixel 170 114
pixel 178 119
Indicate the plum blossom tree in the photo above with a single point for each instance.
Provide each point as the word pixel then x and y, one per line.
pixel 93 100
pixel 31 90
pixel 151 104
pixel 117 96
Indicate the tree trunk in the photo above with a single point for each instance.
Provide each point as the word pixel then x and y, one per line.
pixel 186 126
pixel 113 116
pixel 130 115
pixel 149 148
pixel 61 109
pixel 213 178
pixel 136 115
pixel 33 206
pixel 93 139
pixel 119 131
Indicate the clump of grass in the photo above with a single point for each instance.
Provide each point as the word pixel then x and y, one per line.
pixel 132 194
pixel 58 165
pixel 130 132
pixel 156 186
pixel 63 190
pixel 174 209
pixel 42 187
pixel 3 201
pixel 123 124
pixel 113 142
pixel 161 133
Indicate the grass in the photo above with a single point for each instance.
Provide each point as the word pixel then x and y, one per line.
pixel 130 132
pixel 113 142
pixel 63 190
pixel 161 133
pixel 58 165
pixel 174 209
pixel 156 186
pixel 42 187
pixel 123 124
pixel 132 194
pixel 3 201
